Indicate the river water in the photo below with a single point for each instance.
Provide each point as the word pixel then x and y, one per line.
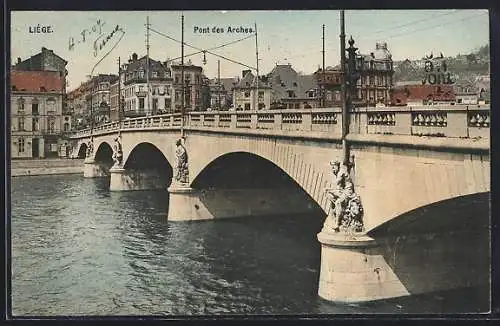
pixel 79 249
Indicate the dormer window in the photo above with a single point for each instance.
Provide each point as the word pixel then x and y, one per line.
pixel 154 74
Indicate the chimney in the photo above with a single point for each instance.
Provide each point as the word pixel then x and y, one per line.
pixel 372 54
pixel 18 60
pixel 134 57
pixel 129 60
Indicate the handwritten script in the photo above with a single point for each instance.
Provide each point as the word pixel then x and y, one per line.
pixel 96 35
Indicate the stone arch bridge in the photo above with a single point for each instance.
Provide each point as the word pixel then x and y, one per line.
pixel 407 163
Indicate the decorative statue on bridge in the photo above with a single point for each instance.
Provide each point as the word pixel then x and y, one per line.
pixel 117 152
pixel 90 148
pixel 346 212
pixel 182 173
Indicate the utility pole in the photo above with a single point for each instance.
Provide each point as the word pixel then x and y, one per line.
pixel 257 66
pixel 218 85
pixel 345 114
pixel 182 76
pixel 148 112
pixel 119 98
pixel 323 77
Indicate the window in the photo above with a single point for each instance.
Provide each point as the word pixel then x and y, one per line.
pixel 34 107
pixel 141 73
pixel 297 105
pixel 20 145
pixel 247 93
pixel 167 103
pixel 247 106
pixel 66 126
pixel 51 124
pixel 141 103
pixel 155 103
pixel 20 123
pixel 291 93
pixel 176 78
pixel 261 95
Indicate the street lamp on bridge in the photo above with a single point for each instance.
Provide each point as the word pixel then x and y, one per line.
pixel 350 73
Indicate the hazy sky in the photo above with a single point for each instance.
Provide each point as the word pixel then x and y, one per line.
pixel 283 36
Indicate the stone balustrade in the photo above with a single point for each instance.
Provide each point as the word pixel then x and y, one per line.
pixel 454 121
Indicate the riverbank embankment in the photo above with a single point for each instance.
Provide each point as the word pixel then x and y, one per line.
pixel 45 166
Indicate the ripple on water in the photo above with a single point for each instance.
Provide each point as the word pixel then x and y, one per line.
pixel 78 249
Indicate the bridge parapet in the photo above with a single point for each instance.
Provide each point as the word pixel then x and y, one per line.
pixel 451 121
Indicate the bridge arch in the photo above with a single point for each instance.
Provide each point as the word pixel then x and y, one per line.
pixel 146 155
pixel 82 150
pixel 461 213
pixel 248 183
pixel 148 167
pixel 104 153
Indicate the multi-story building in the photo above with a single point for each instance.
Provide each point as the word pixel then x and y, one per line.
pixel 247 93
pixel 291 90
pixel 100 97
pixel 372 88
pixel 330 82
pixel 91 100
pixel 137 99
pixel 193 83
pixel 38 123
pixel 114 101
pixel 221 92
pixel 376 80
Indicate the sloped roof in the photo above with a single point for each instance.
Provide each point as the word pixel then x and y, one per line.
pixel 249 81
pixel 32 81
pixel 284 78
pixel 142 63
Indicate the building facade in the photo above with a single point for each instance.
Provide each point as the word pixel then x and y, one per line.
pixel 248 95
pixel 221 93
pixel 39 127
pixel 376 77
pixel 138 100
pixel 91 100
pixel 291 90
pixel 330 85
pixel 193 84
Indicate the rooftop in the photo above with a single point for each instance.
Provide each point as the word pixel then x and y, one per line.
pixel 36 81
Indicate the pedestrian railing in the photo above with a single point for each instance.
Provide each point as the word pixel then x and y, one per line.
pixel 455 121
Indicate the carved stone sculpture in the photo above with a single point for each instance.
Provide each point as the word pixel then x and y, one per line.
pixel 346 212
pixel 117 153
pixel 182 168
pixel 90 148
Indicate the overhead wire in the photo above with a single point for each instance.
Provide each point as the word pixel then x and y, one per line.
pixel 202 50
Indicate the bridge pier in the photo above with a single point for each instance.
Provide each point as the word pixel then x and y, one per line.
pixel 194 204
pixel 353 270
pixel 125 179
pixel 93 169
pixel 361 268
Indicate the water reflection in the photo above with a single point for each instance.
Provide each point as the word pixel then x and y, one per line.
pixel 79 249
